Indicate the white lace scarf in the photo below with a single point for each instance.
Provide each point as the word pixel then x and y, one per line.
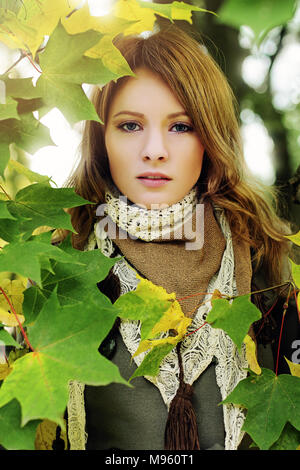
pixel 198 349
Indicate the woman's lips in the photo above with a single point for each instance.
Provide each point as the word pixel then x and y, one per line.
pixel 153 182
pixel 153 179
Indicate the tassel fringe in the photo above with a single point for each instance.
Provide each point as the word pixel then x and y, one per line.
pixel 181 432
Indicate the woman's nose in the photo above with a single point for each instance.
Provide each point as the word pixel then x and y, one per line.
pixel 154 147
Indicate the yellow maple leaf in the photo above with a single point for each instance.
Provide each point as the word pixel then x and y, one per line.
pixel 294 238
pixel 173 319
pixel 251 355
pixel 147 289
pixel 294 368
pixel 10 319
pixel 105 50
pixel 5 370
pixel 13 33
pixel 132 11
pixel 14 290
pixel 42 17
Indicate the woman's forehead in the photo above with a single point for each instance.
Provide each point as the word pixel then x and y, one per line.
pixel 145 90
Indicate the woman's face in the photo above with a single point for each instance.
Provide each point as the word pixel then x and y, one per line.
pixel 155 156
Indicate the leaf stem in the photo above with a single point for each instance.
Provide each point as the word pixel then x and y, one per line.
pixel 188 334
pixel 17 318
pixel 286 283
pixel 194 295
pixel 285 306
pixel 6 194
pixel 32 63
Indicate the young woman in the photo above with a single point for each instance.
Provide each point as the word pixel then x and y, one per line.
pixel 169 152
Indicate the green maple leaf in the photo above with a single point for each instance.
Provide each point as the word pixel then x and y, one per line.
pixel 34 299
pixel 142 306
pixel 76 282
pixel 65 69
pixel 32 176
pixel 7 339
pixel 37 205
pixel 20 88
pixel 65 341
pixel 289 439
pixel 151 362
pixel 27 133
pixel 12 436
pixel 271 402
pixel 24 257
pixel 9 109
pixel 260 16
pixel 4 212
pixel 235 317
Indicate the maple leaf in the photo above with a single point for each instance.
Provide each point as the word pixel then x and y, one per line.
pixel 78 281
pixel 9 109
pixel 12 32
pixel 39 205
pixel 235 317
pixel 7 339
pixel 5 370
pixel 65 341
pixel 11 291
pixel 146 304
pixel 24 258
pixel 294 368
pixel 251 355
pixel 295 238
pixel 158 312
pixel 259 16
pixel 32 176
pixel 144 13
pixel 65 69
pixel 43 17
pixel 271 402
pixel 9 319
pixel 174 11
pixel 14 290
pixel 109 26
pixel 27 133
pixel 12 436
pixel 151 362
pixel 174 320
pixel 289 439
pixel 4 212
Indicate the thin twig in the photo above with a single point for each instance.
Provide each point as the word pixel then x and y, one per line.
pixel 15 63
pixel 285 306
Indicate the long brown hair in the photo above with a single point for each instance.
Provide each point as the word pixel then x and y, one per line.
pixel 201 87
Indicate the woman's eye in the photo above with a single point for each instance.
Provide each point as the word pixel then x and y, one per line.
pixel 181 127
pixel 130 126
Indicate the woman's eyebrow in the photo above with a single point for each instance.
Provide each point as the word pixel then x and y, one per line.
pixel 135 113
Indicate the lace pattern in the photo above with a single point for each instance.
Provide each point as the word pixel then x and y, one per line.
pixel 76 416
pixel 148 224
pixel 198 349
